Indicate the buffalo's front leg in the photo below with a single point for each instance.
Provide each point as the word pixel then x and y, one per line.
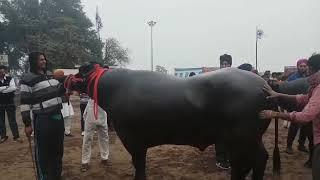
pixel 139 162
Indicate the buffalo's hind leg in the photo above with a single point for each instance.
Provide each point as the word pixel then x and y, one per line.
pixel 242 153
pixel 243 160
pixel 260 162
pixel 139 162
pixel 239 168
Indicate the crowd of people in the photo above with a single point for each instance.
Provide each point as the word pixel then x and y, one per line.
pixel 47 112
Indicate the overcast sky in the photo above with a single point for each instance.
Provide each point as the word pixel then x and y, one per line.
pixel 194 33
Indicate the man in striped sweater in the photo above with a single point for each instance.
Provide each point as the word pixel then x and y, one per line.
pixel 41 95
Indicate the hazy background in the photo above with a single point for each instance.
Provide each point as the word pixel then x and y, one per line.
pixel 192 33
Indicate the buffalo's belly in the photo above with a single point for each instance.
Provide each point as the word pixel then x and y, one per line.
pixel 171 128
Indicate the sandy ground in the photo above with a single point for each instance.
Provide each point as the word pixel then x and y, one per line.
pixel 163 162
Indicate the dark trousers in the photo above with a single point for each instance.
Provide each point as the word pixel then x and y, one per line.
pixel 82 108
pixel 48 136
pixel 11 113
pixel 308 131
pixel 292 133
pixel 316 162
pixel 221 153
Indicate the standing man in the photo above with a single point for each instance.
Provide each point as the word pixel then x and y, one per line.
pixel 42 95
pixel 310 103
pixel 302 69
pixel 247 67
pixel 222 158
pixel 101 126
pixel 225 61
pixel 7 89
pixel 67 113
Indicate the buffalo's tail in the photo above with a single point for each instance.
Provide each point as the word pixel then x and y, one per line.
pixel 276 153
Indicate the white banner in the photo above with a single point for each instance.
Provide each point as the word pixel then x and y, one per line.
pixel 4 60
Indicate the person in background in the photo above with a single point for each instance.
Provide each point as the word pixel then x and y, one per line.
pixel 67 108
pixel 84 98
pixel 301 72
pixel 311 109
pixel 225 61
pixel 192 74
pixel 247 67
pixel 91 125
pixel 67 113
pixel 266 76
pixel 7 89
pixel 222 157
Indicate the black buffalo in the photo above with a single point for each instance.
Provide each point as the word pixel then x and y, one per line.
pixel 149 109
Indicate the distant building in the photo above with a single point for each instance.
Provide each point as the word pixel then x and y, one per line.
pixel 185 72
pixel 209 69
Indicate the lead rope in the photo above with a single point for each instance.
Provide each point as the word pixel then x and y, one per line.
pixel 94 78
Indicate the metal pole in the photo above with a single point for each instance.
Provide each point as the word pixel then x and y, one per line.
pixel 151 24
pixel 256 48
pixel 151 49
pixel 257 54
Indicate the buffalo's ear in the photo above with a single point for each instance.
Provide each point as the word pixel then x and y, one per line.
pixel 86 69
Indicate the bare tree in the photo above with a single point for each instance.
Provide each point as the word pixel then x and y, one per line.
pixel 115 54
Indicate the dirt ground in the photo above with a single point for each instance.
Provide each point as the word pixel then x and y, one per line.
pixel 163 162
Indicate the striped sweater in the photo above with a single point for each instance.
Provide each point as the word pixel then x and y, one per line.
pixel 41 95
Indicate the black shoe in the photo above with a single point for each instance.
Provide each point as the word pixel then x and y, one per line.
pixel 105 162
pixel 302 148
pixel 289 150
pixel 225 165
pixel 84 167
pixel 68 135
pixel 4 139
pixel 308 164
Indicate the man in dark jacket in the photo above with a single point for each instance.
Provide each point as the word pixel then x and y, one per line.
pixel 7 89
pixel 41 95
pixel 222 157
pixel 294 127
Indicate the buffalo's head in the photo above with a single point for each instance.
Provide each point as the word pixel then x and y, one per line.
pixel 87 68
pixel 78 82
